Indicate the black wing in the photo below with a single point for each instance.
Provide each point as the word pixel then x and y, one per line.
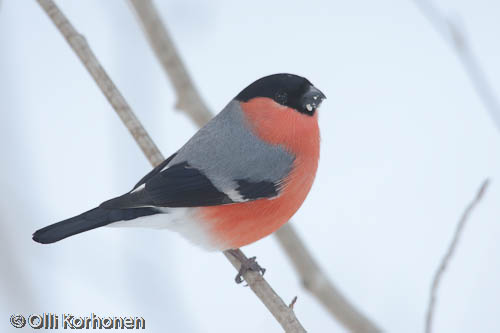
pixel 256 190
pixel 178 186
pixel 154 172
pixel 182 185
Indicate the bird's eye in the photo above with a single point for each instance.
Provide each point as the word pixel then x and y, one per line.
pixel 281 97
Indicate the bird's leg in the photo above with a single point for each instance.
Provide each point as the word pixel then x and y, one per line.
pixel 246 264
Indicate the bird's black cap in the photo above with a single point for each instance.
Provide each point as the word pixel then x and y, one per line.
pixel 286 89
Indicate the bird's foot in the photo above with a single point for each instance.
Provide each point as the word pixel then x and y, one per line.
pixel 247 264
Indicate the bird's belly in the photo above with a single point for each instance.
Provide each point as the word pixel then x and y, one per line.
pixel 185 221
pixel 236 225
pixel 219 228
pixel 239 224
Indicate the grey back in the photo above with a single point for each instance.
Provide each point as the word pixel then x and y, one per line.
pixel 226 149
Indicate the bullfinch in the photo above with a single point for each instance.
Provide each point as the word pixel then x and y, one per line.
pixel 238 179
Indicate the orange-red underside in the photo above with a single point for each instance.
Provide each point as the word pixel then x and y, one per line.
pixel 239 224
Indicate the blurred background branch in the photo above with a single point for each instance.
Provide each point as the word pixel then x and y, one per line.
pixel 317 283
pixel 449 254
pixel 453 33
pixel 188 98
pixel 283 314
pixel 190 101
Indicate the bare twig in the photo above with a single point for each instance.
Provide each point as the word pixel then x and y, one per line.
pixel 283 314
pixel 449 253
pixel 451 32
pixel 303 261
pixel 257 283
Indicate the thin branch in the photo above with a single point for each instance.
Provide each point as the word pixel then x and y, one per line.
pixel 257 283
pixel 283 314
pixel 304 264
pixel 452 33
pixel 449 254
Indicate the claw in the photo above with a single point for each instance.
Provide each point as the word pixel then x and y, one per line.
pixel 249 264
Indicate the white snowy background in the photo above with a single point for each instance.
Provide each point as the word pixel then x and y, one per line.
pixel 406 143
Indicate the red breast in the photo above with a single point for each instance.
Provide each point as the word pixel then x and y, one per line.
pixel 239 224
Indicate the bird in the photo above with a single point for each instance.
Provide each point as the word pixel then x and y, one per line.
pixel 238 179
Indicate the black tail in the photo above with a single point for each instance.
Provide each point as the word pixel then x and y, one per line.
pixel 92 219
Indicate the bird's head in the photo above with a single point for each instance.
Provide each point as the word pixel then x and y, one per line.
pixel 289 90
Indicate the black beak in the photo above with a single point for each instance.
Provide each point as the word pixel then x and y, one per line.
pixel 312 99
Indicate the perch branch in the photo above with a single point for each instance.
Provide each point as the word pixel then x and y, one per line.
pixel 449 253
pixel 285 316
pixel 306 267
pixel 282 312
pixel 453 34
